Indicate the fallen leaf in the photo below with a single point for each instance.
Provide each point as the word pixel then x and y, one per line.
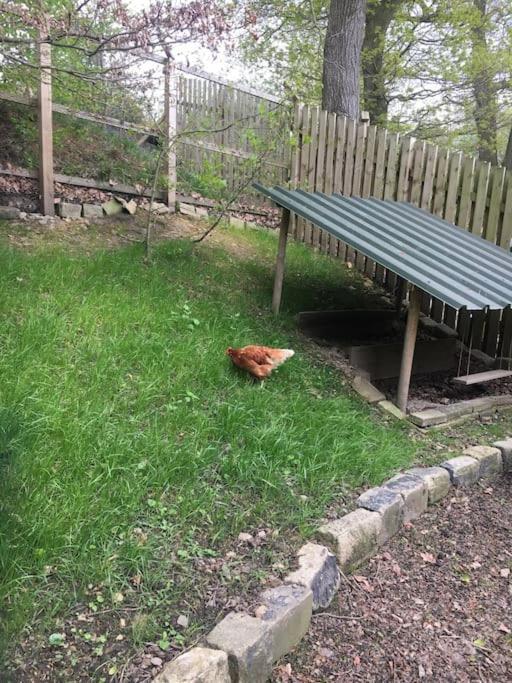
pixel 428 557
pixel 357 661
pixel 503 628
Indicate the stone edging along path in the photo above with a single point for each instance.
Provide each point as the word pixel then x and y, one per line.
pixel 242 648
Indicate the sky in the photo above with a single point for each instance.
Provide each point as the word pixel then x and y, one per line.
pixel 218 63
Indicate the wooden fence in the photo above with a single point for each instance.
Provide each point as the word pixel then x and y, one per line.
pixel 251 132
pixel 336 154
pixel 194 104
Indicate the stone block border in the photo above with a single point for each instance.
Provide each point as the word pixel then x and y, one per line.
pixel 242 648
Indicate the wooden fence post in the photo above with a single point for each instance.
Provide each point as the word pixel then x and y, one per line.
pixel 170 130
pixel 46 184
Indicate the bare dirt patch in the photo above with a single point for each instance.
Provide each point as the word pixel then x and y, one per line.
pixel 429 390
pixel 434 606
pixel 106 233
pixel 118 231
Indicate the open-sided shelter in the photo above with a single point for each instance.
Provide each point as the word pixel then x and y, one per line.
pixel 426 252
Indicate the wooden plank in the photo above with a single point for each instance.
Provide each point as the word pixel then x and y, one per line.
pixel 352 256
pixel 429 176
pixel 313 147
pixel 418 175
pixel 505 236
pixel 369 162
pixel 380 162
pixel 441 182
pixel 418 171
pixel 390 185
pixel 450 314
pixel 170 97
pixel 505 348
pixel 118 188
pixel 482 377
pixel 45 123
pixel 441 187
pixel 304 144
pixel 349 157
pixel 390 192
pixel 320 169
pixel 406 161
pixel 329 171
pixel 478 328
pixel 365 263
pixel 295 160
pixel 403 189
pixel 382 361
pixel 379 184
pixel 359 159
pixel 477 222
pixel 452 192
pixel 492 331
pixel 468 180
pixel 337 248
pixel 493 218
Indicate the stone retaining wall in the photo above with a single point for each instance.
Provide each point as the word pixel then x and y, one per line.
pixel 242 648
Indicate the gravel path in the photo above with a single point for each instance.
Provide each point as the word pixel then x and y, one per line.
pixel 435 605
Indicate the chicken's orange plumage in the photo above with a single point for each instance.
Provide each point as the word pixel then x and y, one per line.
pixel 259 361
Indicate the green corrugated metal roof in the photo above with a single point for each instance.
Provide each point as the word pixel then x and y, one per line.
pixel 459 268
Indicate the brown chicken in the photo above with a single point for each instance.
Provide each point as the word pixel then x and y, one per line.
pixel 259 361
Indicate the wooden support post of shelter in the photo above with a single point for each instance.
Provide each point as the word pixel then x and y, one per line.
pixel 411 330
pixel 46 180
pixel 281 254
pixel 170 130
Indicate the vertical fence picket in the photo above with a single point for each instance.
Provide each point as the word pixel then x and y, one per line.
pixel 441 185
pixel 320 170
pixel 379 182
pixel 313 147
pixel 453 187
pixel 403 190
pixel 417 171
pixel 466 193
pixel 357 258
pixel 348 173
pixel 304 164
pixel 295 160
pixel 391 183
pixel 505 234
pixel 337 247
pixel 329 171
pixel 429 175
pixel 482 188
pixel 441 182
pixel 493 218
pixel 368 182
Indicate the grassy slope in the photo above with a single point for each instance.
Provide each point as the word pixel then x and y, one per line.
pixel 118 409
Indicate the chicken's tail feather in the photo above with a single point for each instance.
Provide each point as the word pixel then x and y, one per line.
pixel 281 356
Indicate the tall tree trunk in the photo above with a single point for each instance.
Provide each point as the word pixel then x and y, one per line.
pixel 378 18
pixel 507 159
pixel 342 57
pixel 484 92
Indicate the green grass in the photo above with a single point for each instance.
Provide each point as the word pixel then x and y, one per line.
pixel 119 409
